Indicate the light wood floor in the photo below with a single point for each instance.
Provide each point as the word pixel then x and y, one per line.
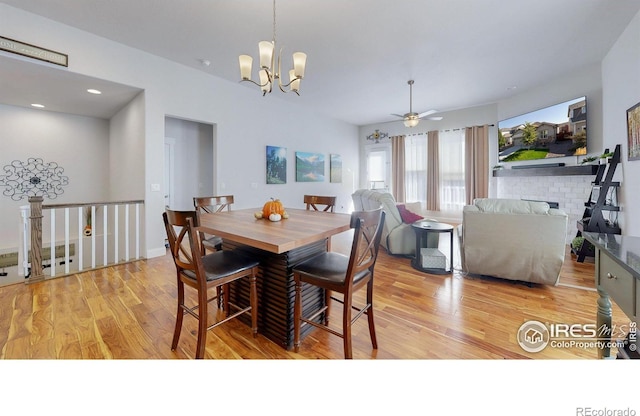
pixel 128 312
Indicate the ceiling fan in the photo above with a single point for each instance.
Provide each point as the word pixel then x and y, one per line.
pixel 412 119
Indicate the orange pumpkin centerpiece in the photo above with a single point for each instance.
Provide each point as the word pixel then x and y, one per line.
pixel 272 207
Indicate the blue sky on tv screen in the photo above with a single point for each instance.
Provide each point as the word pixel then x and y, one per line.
pixel 555 114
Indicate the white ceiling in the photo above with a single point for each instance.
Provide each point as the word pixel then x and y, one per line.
pixel 23 83
pixel 361 53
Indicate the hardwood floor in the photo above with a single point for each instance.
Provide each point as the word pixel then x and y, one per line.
pixel 128 312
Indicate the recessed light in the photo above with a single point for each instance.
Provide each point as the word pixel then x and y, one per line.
pixel 37 105
pixel 92 91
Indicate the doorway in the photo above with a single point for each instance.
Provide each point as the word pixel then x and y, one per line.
pixel 169 168
pixel 189 162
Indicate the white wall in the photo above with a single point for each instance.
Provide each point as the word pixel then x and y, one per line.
pixel 621 90
pixel 245 121
pixel 126 152
pixel 80 145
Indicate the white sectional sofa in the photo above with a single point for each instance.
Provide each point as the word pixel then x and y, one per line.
pixel 514 239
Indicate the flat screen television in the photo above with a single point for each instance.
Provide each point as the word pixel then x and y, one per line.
pixel 559 130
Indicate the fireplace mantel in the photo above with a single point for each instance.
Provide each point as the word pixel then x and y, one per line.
pixel 550 171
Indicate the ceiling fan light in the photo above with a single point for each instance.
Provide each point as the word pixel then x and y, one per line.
pixel 411 121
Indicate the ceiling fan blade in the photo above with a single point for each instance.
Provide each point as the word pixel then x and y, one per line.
pixel 427 113
pixel 434 118
pixel 397 115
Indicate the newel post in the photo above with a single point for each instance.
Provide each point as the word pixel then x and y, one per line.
pixel 35 253
pixel 35 180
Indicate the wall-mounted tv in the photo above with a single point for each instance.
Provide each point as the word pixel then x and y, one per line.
pixel 556 131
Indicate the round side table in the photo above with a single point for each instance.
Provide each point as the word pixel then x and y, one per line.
pixel 430 259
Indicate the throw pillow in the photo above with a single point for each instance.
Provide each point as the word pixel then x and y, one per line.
pixel 407 216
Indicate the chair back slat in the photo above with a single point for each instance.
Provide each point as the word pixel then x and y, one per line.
pixel 367 227
pixel 197 251
pixel 312 202
pixel 177 228
pixel 212 204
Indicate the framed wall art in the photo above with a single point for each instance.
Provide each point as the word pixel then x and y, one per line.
pixel 276 165
pixel 633 132
pixel 335 168
pixel 309 167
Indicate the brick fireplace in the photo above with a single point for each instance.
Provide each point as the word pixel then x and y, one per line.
pixel 571 192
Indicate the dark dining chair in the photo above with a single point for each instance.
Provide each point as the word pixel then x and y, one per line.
pixel 201 272
pixel 338 273
pixel 327 203
pixel 210 205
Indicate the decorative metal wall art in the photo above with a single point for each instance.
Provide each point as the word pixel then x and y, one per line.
pixel 33 178
pixel 376 136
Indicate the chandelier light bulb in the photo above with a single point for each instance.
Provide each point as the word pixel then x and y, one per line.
pixel 246 62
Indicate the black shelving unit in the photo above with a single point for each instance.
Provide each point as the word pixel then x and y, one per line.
pixel 602 198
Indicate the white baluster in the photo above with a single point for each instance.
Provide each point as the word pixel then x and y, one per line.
pixel 104 237
pixel 137 231
pixel 94 229
pixel 52 243
pixel 126 232
pixel 25 212
pixel 79 252
pixel 66 241
pixel 116 234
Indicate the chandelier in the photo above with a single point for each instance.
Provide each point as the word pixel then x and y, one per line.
pixel 269 73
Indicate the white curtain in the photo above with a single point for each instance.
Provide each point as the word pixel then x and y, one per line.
pixel 416 169
pixel 452 179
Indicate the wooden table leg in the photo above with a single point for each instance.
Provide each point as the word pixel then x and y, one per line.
pixel 603 320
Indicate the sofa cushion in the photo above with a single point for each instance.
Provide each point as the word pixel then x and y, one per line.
pixel 511 206
pixel 407 216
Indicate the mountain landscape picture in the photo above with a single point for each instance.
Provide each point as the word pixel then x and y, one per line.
pixel 309 167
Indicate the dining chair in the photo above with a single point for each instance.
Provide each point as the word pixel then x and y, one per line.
pixel 210 205
pixel 201 272
pixel 329 202
pixel 337 273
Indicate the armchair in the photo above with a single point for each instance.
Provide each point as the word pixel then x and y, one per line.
pixel 514 239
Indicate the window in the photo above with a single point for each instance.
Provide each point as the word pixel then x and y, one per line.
pixel 452 190
pixel 415 164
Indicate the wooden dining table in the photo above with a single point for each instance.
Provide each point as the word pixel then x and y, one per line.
pixel 279 246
